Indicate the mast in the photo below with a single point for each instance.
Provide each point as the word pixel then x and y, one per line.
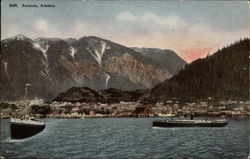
pixel 174 108
pixel 26 90
pixel 209 98
pixel 26 97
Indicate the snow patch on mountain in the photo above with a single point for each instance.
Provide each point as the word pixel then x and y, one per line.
pixel 98 52
pixel 107 80
pixel 43 50
pixel 72 52
pixel 5 65
pixel 20 37
pixel 103 47
pixel 98 56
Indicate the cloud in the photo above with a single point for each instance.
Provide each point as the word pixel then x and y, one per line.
pixel 9 31
pixel 79 27
pixel 152 18
pixel 189 40
pixel 41 25
pixel 194 53
pixel 127 16
pixel 201 39
pixel 172 20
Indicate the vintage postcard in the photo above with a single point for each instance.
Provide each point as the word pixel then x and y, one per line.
pixel 136 79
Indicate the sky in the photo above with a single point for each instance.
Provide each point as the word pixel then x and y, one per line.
pixel 190 28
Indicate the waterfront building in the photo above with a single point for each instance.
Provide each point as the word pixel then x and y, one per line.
pixel 143 111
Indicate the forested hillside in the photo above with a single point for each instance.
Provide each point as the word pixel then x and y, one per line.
pixel 222 76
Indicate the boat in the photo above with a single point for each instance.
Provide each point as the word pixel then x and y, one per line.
pixel 24 128
pixel 165 115
pixel 190 123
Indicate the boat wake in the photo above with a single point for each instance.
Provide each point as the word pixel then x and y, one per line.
pixel 9 140
pixel 174 128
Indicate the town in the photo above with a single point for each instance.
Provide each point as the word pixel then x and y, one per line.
pixel 172 108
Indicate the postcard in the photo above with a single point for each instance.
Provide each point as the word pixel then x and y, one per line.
pixel 139 79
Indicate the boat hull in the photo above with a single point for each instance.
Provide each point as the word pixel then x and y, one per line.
pixel 22 130
pixel 189 124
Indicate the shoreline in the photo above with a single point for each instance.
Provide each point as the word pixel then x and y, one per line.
pixel 120 116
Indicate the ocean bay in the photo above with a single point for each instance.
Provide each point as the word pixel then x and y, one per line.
pixel 127 138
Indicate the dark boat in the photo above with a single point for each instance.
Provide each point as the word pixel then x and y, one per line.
pixel 21 129
pixel 190 123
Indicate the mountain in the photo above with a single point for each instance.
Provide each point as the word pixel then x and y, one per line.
pixel 222 76
pixel 111 95
pixel 22 62
pixel 45 67
pixel 83 94
pixel 165 58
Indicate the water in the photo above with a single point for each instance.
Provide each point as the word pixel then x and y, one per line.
pixel 127 138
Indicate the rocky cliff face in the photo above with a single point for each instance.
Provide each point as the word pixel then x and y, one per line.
pixel 44 67
pixel 164 58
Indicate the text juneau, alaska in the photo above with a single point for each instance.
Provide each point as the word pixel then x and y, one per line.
pixel 37 6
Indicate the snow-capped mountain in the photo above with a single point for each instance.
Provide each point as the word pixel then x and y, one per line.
pixel 52 65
